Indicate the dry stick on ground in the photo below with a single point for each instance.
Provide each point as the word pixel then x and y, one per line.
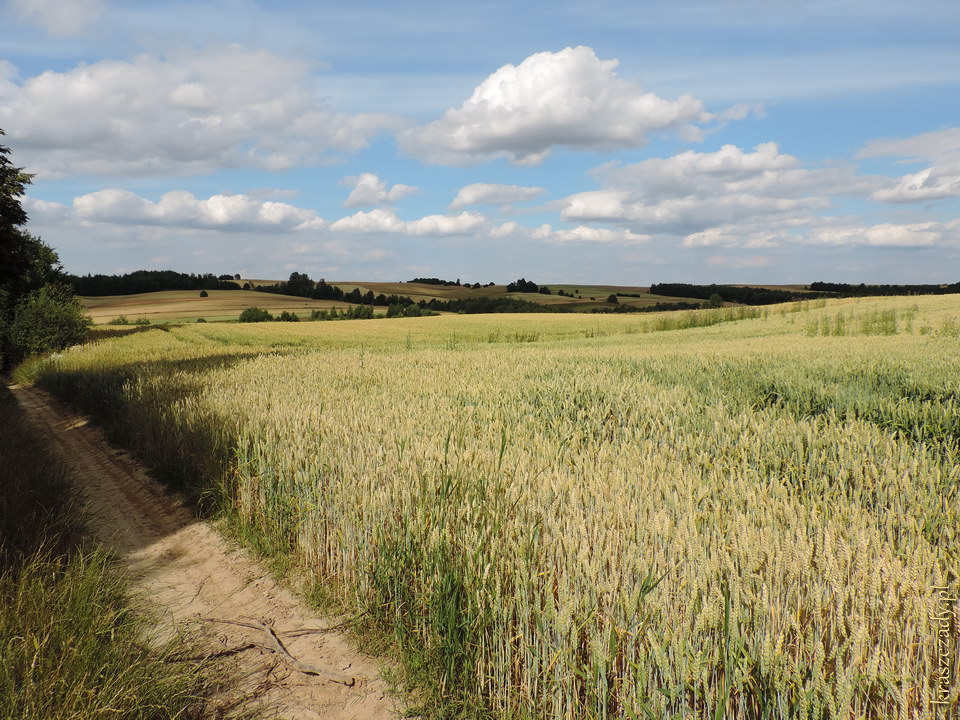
pixel 290 660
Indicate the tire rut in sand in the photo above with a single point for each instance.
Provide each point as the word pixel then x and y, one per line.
pixel 191 574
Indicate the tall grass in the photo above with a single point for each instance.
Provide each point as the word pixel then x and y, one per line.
pixel 717 516
pixel 70 643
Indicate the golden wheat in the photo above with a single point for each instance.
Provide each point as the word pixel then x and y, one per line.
pixel 591 516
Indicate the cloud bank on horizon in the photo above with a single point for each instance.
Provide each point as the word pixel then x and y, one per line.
pixel 471 153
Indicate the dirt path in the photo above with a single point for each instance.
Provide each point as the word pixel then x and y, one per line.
pixel 191 574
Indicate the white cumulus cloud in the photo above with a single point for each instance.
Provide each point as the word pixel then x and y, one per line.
pixel 925 234
pixel 929 184
pixel 492 194
pixel 368 189
pixel 568 98
pixel 379 220
pixel 586 234
pixel 827 231
pixel 940 180
pixel 692 192
pixel 179 208
pixel 192 111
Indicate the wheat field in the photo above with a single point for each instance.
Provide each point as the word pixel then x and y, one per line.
pixel 733 513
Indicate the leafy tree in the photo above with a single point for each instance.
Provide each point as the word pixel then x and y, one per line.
pixel 13 184
pixel 32 288
pixel 715 301
pixel 613 299
pixel 47 319
pixel 203 293
pixel 523 285
pixel 254 314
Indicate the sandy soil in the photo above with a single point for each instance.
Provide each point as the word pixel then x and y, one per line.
pixel 193 576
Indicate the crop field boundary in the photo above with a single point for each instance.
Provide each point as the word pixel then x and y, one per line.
pixel 304 669
pixel 586 517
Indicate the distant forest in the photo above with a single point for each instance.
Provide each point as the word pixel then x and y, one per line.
pixel 728 293
pixel 861 290
pixel 766 296
pixel 143 281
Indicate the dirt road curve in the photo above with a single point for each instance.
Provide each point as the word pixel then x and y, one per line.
pixel 191 574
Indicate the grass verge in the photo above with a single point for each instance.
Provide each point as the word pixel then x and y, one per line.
pixel 72 644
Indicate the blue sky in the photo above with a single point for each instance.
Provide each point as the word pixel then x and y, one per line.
pixel 620 142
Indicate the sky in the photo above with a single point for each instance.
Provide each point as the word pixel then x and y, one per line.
pixel 622 142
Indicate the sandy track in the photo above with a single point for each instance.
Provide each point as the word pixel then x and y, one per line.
pixel 190 573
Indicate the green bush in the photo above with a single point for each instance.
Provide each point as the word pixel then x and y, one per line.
pixel 255 314
pixel 203 293
pixel 47 319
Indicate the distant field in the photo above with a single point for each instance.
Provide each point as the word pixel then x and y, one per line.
pixel 582 303
pixel 187 305
pixel 224 305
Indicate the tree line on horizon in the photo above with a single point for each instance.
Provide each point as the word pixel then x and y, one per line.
pixel 301 285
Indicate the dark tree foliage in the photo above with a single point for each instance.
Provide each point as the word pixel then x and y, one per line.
pixel 301 285
pixel 354 312
pixel 13 184
pixel 659 307
pixel 143 281
pixel 254 314
pixel 523 285
pixel 612 299
pixel 731 293
pixel 47 319
pixel 436 281
pixel 37 311
pixel 408 311
pixel 861 290
pixel 475 305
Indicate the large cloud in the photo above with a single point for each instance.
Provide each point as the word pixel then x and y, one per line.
pixel 586 234
pixel 193 111
pixel 691 192
pixel 940 180
pixel 933 183
pixel 827 232
pixel 182 209
pixel 569 98
pixel 491 194
pixel 385 221
pixel 368 189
